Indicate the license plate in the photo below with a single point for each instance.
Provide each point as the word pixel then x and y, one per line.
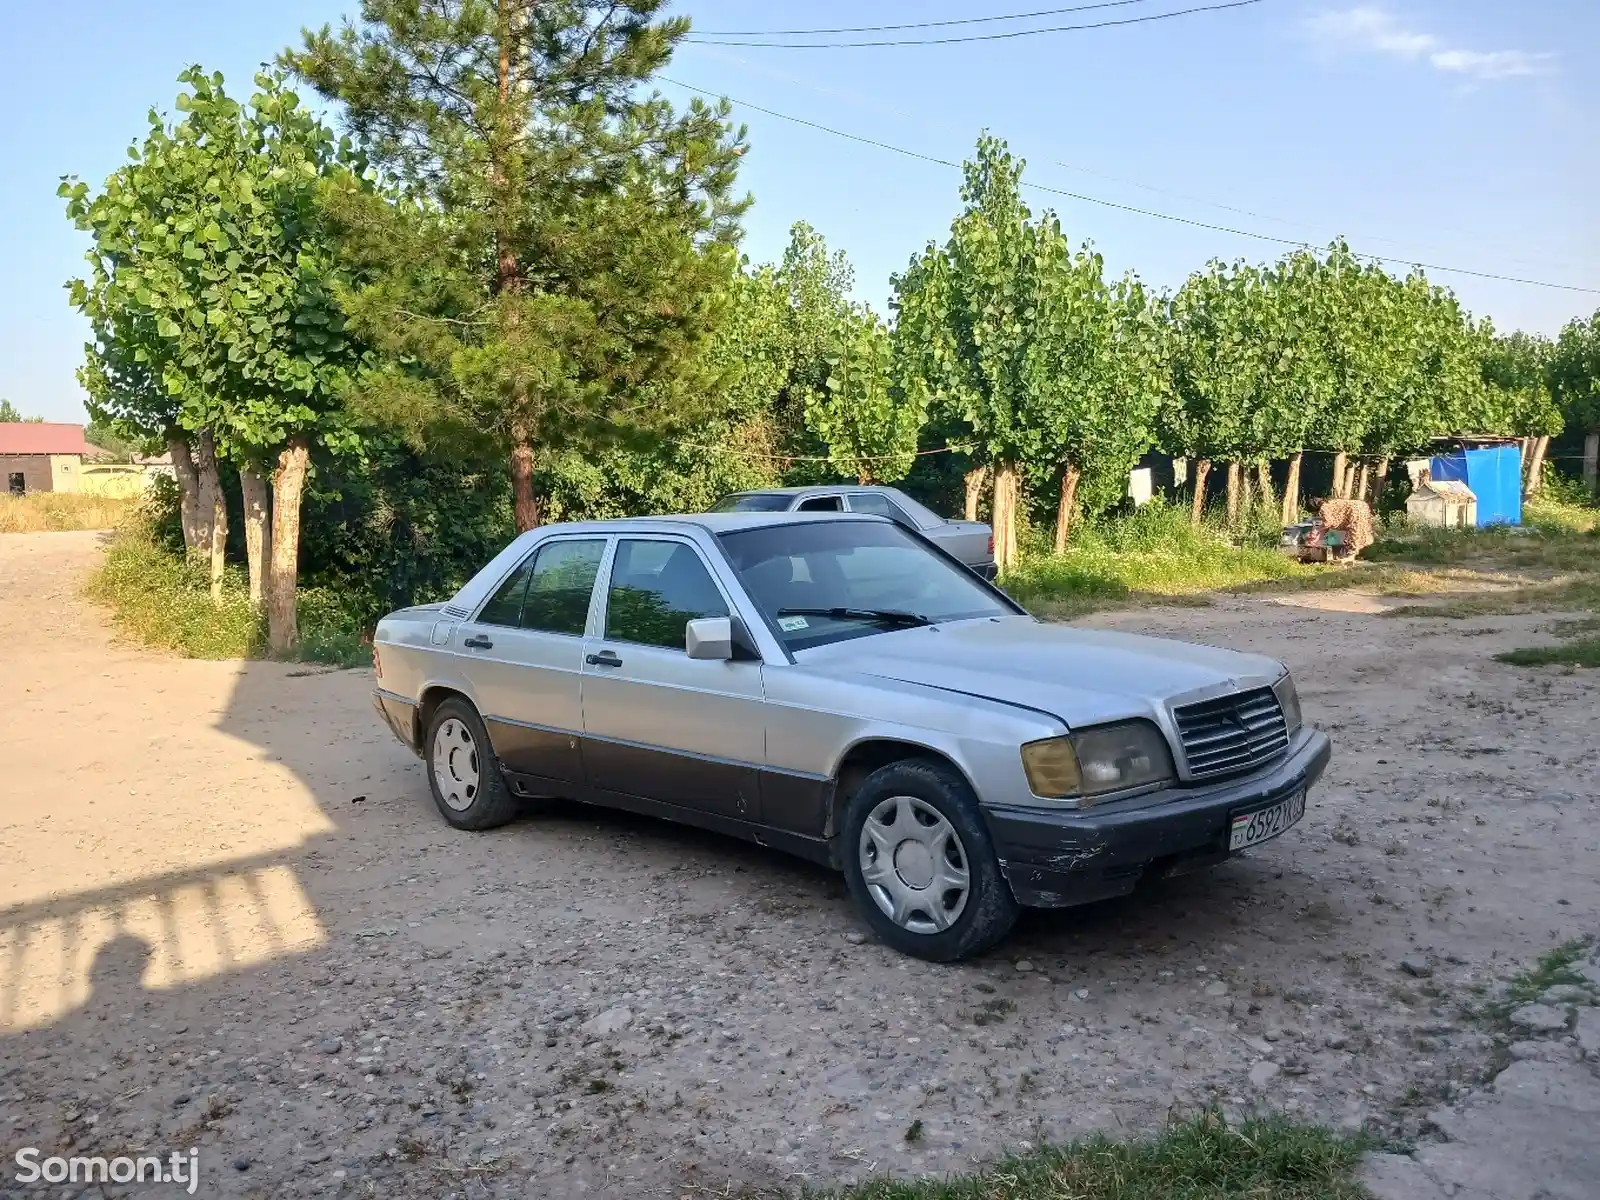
pixel 1252 828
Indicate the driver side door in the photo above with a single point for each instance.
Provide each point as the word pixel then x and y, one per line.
pixel 659 726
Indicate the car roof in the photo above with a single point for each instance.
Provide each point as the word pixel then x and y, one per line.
pixel 726 522
pixel 805 489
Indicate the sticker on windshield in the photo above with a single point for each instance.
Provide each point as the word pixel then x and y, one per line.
pixel 793 624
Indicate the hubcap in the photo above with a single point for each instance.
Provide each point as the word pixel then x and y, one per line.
pixel 455 765
pixel 914 865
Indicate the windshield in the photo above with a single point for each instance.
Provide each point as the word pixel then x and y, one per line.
pixel 826 581
pixel 752 502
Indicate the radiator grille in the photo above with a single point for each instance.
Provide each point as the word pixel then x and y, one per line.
pixel 1232 733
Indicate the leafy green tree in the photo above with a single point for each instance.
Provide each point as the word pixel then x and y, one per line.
pixel 9 414
pixel 862 413
pixel 213 301
pixel 965 323
pixel 1095 377
pixel 1225 372
pixel 1516 388
pixel 561 242
pixel 1574 372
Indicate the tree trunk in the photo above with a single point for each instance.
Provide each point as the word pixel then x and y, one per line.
pixel 1202 472
pixel 1350 473
pixel 1069 495
pixel 1527 456
pixel 1380 477
pixel 1234 477
pixel 188 491
pixel 529 510
pixel 1246 499
pixel 1264 483
pixel 1004 516
pixel 283 632
pixel 1591 463
pixel 1541 446
pixel 1291 490
pixel 1359 492
pixel 257 530
pixel 213 508
pixel 974 483
pixel 1340 460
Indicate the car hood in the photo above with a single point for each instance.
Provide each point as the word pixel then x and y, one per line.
pixel 1081 676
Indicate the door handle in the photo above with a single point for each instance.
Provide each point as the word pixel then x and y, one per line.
pixel 477 642
pixel 604 659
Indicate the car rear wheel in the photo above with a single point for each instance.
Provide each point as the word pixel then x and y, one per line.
pixel 920 864
pixel 462 772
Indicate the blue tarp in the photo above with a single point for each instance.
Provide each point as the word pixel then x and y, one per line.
pixel 1495 476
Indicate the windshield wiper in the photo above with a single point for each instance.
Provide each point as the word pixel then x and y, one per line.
pixel 893 615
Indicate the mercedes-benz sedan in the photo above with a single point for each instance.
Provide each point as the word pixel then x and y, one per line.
pixel 838 687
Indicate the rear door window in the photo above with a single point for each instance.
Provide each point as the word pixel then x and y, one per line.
pixel 560 585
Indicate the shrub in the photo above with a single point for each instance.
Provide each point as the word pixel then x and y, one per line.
pixel 160 599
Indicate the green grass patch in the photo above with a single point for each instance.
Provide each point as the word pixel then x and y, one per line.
pixel 1585 652
pixel 1153 554
pixel 1197 1159
pixel 162 600
pixel 1525 987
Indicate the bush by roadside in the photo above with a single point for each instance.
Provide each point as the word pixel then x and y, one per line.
pixel 1198 1159
pixel 61 512
pixel 161 600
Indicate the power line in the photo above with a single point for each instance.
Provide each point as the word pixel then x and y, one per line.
pixel 975 37
pixel 1143 212
pixel 1027 16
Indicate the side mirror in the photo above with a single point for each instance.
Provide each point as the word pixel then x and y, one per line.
pixel 709 637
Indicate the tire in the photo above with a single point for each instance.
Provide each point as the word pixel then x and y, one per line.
pixel 463 774
pixel 913 807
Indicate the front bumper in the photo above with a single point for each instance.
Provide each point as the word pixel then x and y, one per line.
pixel 400 715
pixel 1060 858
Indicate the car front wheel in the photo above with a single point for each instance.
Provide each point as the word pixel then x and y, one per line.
pixel 462 772
pixel 920 864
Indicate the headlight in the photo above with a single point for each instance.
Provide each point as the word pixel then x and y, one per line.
pixel 1111 758
pixel 1289 699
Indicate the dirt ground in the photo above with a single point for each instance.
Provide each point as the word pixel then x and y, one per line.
pixel 229 917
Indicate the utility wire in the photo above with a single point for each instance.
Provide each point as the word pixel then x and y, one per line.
pixel 1027 16
pixel 1143 212
pixel 974 37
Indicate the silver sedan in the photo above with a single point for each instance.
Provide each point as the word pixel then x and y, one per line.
pixel 833 686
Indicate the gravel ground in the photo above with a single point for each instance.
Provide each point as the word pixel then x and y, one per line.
pixel 230 918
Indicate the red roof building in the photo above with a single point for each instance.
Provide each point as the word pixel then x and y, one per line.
pixel 41 437
pixel 38 456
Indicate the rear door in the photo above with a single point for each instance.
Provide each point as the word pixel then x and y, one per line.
pixel 657 724
pixel 525 651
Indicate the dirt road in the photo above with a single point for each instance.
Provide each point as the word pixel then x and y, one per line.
pixel 229 917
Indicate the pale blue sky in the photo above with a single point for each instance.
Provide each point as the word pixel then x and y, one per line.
pixel 1457 132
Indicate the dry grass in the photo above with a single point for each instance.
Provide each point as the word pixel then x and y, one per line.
pixel 61 512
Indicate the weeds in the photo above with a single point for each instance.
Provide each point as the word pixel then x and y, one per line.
pixel 163 600
pixel 1153 553
pixel 59 512
pixel 1197 1159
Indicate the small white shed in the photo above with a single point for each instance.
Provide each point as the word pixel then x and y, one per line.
pixel 1443 503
